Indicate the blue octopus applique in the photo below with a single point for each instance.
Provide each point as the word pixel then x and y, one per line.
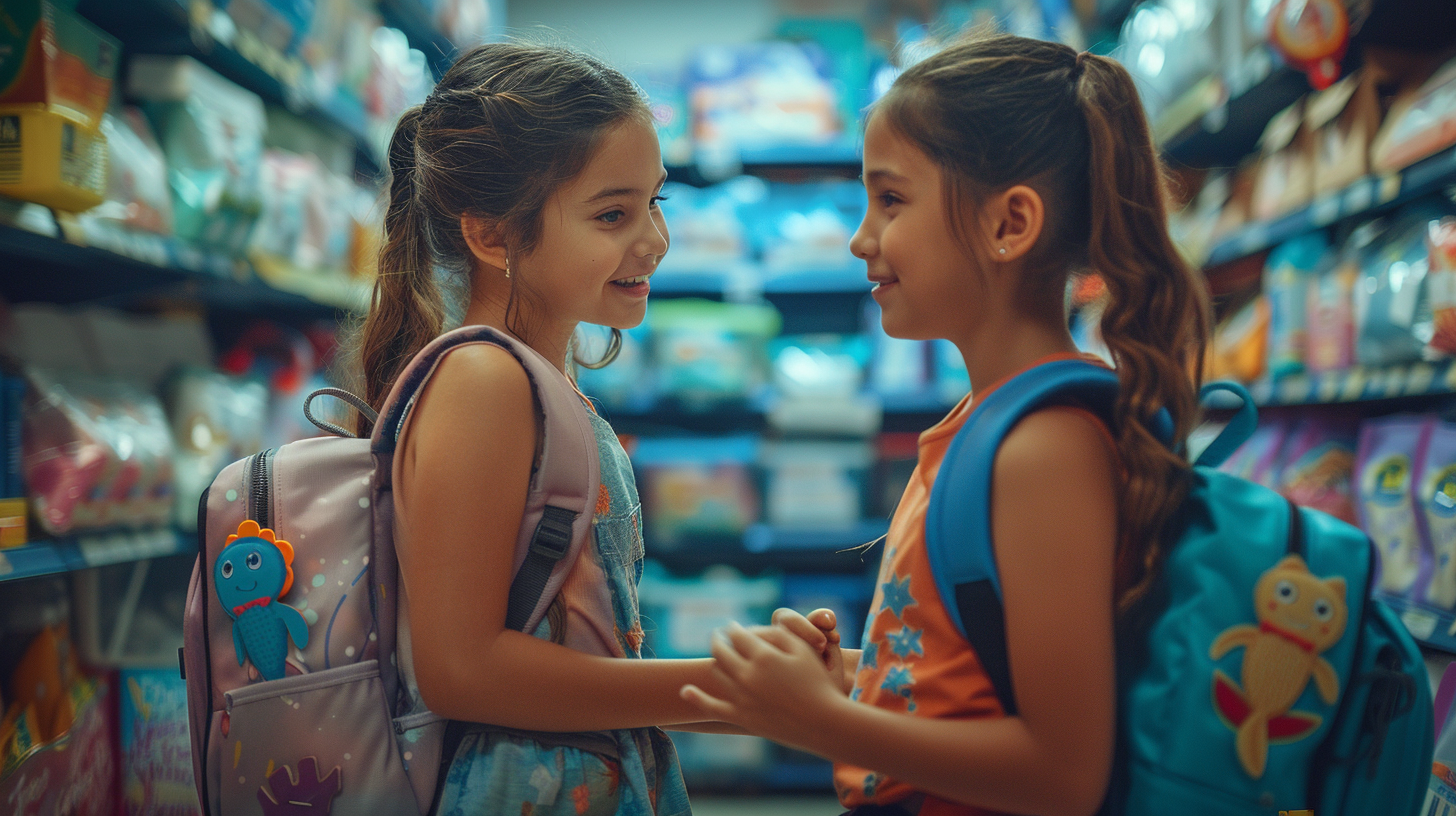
pixel 253 570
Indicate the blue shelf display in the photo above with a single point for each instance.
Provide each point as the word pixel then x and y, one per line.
pixel 1361 384
pixel 85 552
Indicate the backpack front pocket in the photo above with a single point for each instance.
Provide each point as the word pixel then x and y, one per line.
pixel 321 740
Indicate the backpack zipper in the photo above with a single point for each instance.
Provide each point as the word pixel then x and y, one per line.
pixel 259 488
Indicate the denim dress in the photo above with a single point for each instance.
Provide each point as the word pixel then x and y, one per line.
pixel 617 773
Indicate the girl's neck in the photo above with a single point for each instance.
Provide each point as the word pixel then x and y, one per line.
pixel 548 340
pixel 1001 348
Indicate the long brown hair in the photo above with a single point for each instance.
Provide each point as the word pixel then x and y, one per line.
pixel 506 126
pixel 996 111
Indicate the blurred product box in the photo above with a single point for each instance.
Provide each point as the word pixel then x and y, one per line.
pixel 56 73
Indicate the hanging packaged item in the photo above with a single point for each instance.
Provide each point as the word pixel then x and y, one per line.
pixel 1393 310
pixel 1318 467
pixel 212 133
pixel 1385 465
pixel 1286 284
pixel 56 73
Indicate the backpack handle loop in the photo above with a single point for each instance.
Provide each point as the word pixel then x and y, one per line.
pixel 324 425
pixel 1239 429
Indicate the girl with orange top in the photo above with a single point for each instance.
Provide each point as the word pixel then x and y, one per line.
pixel 997 170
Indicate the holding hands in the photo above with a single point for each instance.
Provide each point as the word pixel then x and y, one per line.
pixel 779 681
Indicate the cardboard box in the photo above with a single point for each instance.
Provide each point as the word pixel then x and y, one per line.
pixel 1422 121
pixel 1342 120
pixel 1286 171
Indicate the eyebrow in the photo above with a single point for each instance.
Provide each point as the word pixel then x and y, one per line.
pixel 882 175
pixel 613 192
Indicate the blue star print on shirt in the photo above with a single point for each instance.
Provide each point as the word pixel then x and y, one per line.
pixel 897 595
pixel 870 657
pixel 898 681
pixel 906 642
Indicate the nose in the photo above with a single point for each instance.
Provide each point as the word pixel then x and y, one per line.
pixel 862 244
pixel 654 241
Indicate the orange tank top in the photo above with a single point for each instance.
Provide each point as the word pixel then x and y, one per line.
pixel 915 661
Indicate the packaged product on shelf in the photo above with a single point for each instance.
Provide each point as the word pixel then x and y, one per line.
pixel 56 757
pixel 1240 345
pixel 816 483
pixel 302 230
pixel 1435 485
pixel 156 748
pixel 56 73
pixel 137 196
pixel 697 488
pixel 1342 120
pixel 130 614
pixel 763 95
pixel 897 366
pixel 1441 248
pixel 1286 283
pixel 818 381
pixel 707 232
pixel 1318 465
pixel 1286 166
pixel 1393 317
pixel 623 383
pixel 1330 313
pixel 287 360
pixel 398 78
pixel 1421 121
pixel 215 419
pixel 1238 208
pixel 1385 467
pixel 1168 51
pixel 687 611
pixel 806 227
pixel 212 134
pixel 1257 460
pixel 707 352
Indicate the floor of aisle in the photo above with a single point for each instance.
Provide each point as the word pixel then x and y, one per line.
pixel 719 805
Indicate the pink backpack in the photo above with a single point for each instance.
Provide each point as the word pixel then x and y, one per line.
pixel 293 687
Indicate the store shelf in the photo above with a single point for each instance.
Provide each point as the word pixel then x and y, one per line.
pixel 182 28
pixel 84 552
pixel 147 267
pixel 1362 384
pixel 1367 196
pixel 1206 128
pixel 841 158
pixel 1435 628
pixel 411 17
pixel 799 776
pixel 762 538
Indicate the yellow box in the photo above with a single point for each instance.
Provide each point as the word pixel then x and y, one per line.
pixel 51 158
pixel 13 530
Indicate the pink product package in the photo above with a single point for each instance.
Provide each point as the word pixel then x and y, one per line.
pixel 1258 458
pixel 1435 500
pixel 1317 467
pixel 1385 466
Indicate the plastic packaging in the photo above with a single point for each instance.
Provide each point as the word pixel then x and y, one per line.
pixel 1435 484
pixel 1441 248
pixel 697 489
pixel 1385 465
pixel 136 189
pixel 816 483
pixel 1318 467
pixel 709 352
pixel 1330 335
pixel 1393 317
pixel 1287 279
pixel 1258 458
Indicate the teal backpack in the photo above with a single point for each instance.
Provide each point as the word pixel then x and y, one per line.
pixel 1226 708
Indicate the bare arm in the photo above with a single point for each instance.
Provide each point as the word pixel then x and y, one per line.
pixel 1054 524
pixel 461 481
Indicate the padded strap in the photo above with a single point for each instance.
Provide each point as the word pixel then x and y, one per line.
pixel 1239 429
pixel 566 478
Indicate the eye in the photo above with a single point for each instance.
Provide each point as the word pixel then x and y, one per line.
pixel 1286 592
pixel 656 200
pixel 611 217
pixel 254 561
pixel 227 569
pixel 888 200
pixel 1323 610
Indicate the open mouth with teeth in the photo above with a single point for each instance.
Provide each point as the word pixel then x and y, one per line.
pixel 633 284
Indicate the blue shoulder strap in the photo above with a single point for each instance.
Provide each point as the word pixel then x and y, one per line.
pixel 958 520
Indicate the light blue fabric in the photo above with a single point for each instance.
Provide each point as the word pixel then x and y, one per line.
pixel 495 773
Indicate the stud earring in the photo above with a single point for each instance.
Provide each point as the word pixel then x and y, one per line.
pixel 508 267
pixel 1002 250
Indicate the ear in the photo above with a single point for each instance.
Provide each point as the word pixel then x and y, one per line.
pixel 485 240
pixel 1336 585
pixel 1017 217
pixel 1293 562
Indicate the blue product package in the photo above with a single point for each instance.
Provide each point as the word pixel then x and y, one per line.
pixel 156 745
pixel 12 415
pixel 1287 275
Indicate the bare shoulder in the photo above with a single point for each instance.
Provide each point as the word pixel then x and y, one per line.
pixel 1067 444
pixel 478 396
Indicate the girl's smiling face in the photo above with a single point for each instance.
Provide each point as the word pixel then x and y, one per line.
pixel 926 281
pixel 602 235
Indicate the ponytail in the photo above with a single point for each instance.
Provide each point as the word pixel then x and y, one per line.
pixel 406 311
pixel 1156 325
